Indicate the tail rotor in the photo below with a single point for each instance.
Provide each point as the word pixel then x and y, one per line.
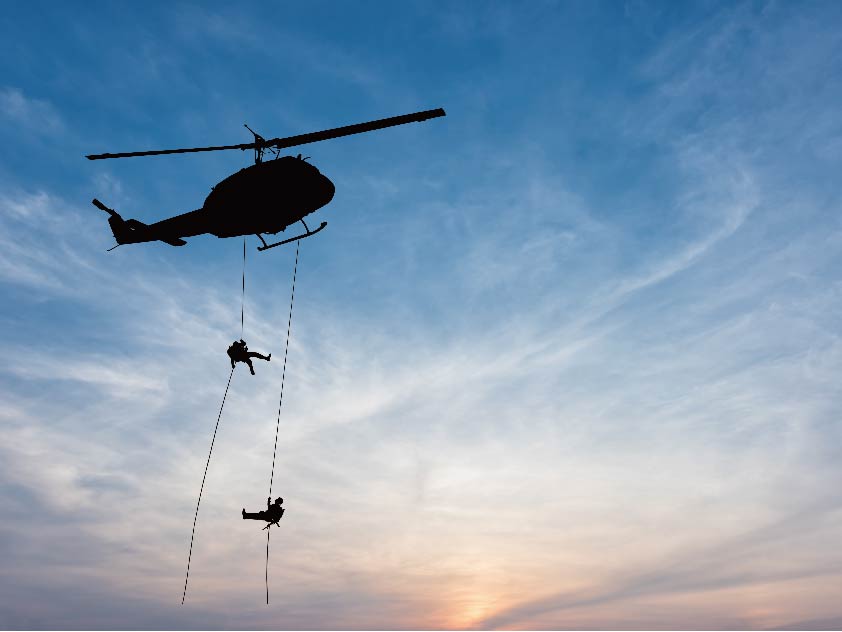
pixel 119 227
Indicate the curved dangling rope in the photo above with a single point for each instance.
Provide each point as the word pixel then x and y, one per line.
pixel 218 417
pixel 201 489
pixel 280 403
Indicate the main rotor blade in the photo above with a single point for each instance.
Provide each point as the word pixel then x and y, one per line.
pixel 359 128
pixel 159 152
pixel 292 141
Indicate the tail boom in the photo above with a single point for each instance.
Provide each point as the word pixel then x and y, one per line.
pixel 132 231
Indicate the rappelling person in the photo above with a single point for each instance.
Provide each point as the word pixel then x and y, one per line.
pixel 239 352
pixel 274 512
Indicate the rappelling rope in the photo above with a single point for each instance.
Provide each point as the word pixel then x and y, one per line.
pixel 243 301
pixel 280 403
pixel 201 489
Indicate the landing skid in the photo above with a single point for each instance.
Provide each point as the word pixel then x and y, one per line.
pixel 309 233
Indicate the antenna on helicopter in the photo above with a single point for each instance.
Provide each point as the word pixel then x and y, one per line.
pixel 259 144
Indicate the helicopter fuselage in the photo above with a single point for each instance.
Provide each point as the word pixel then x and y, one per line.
pixel 263 198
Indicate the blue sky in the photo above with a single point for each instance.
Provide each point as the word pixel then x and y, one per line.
pixel 566 358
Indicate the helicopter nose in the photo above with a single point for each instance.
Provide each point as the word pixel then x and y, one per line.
pixel 328 190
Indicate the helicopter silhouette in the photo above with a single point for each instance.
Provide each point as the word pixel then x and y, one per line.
pixel 264 198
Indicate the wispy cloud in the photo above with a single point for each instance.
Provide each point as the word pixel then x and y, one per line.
pixel 758 556
pixel 32 114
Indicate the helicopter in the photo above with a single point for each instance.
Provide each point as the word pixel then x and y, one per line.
pixel 264 198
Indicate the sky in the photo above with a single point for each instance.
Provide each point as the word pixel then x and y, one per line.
pixel 568 357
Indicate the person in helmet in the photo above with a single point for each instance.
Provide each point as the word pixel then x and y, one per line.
pixel 239 352
pixel 274 512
